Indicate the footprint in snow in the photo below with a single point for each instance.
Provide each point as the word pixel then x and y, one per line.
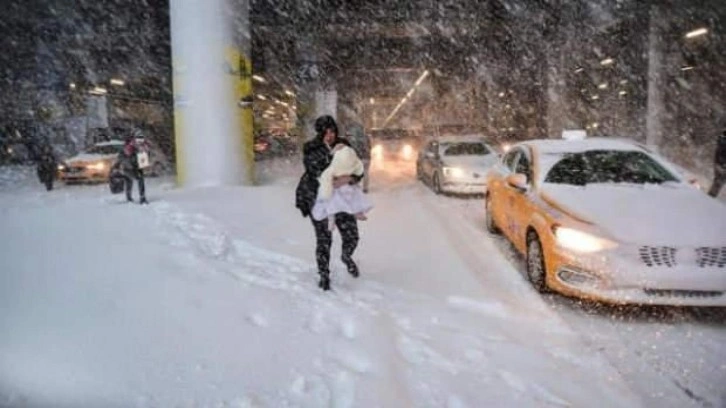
pixel 455 401
pixel 258 320
pixel 349 328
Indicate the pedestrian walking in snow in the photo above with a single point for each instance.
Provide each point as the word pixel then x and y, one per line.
pixel 719 168
pixel 128 164
pixel 47 166
pixel 317 156
pixel 348 198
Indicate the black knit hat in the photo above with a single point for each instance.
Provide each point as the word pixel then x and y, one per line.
pixel 325 122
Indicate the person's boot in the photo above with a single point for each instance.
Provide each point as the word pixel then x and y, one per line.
pixel 352 267
pixel 129 199
pixel 324 283
pixel 143 201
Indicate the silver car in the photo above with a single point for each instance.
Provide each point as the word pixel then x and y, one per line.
pixel 456 164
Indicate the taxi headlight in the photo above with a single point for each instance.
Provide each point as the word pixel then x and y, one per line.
pixel 453 172
pixel 407 151
pixel 579 241
pixel 377 151
pixel 97 166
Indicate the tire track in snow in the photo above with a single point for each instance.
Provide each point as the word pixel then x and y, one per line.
pixel 487 264
pixel 467 233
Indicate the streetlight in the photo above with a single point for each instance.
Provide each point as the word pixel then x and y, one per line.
pixel 697 33
pixel 98 91
pixel 262 97
pixel 259 79
pixel 117 82
pixel 290 93
pixel 607 61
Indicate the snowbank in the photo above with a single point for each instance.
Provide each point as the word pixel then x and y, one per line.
pixel 17 176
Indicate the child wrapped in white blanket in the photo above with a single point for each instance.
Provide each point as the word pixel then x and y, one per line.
pixel 347 198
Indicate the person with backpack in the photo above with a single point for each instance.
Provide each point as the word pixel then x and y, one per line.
pixel 47 166
pixel 128 165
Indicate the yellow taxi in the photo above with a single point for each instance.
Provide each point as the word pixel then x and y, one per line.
pixel 606 219
pixel 94 164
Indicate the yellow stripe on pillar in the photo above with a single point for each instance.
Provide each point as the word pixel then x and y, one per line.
pixel 241 69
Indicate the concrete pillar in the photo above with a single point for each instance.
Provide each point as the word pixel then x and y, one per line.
pixel 317 95
pixel 557 56
pixel 206 63
pixel 656 81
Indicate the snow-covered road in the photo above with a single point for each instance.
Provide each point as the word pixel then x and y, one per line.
pixel 207 298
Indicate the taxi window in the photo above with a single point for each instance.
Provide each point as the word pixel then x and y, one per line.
pixel 602 166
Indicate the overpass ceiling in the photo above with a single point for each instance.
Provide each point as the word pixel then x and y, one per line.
pixel 375 34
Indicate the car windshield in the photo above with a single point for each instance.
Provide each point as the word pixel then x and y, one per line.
pixel 105 149
pixel 391 134
pixel 606 166
pixel 466 149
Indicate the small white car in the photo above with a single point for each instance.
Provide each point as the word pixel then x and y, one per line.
pixel 94 164
pixel 456 164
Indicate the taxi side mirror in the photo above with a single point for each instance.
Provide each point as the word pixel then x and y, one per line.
pixel 518 181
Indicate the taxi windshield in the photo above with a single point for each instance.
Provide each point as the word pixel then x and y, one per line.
pixel 608 166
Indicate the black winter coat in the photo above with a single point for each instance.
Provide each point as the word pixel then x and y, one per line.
pixel 316 158
pixel 128 164
pixel 46 167
pixel 720 158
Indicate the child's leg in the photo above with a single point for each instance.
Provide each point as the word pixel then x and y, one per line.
pixel 331 222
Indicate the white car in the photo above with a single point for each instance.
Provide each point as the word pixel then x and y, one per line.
pixel 456 164
pixel 606 219
pixel 94 164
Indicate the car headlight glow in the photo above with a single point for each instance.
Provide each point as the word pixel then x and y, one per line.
pixel 581 241
pixel 454 172
pixel 97 166
pixel 377 151
pixel 407 151
pixel 61 167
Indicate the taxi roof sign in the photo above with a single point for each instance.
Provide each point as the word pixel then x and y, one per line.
pixel 578 134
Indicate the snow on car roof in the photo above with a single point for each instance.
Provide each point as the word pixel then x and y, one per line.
pixel 110 143
pixel 554 146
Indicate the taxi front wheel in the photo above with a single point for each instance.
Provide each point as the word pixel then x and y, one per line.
pixel 536 271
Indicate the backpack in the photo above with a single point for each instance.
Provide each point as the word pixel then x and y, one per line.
pixel 142 156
